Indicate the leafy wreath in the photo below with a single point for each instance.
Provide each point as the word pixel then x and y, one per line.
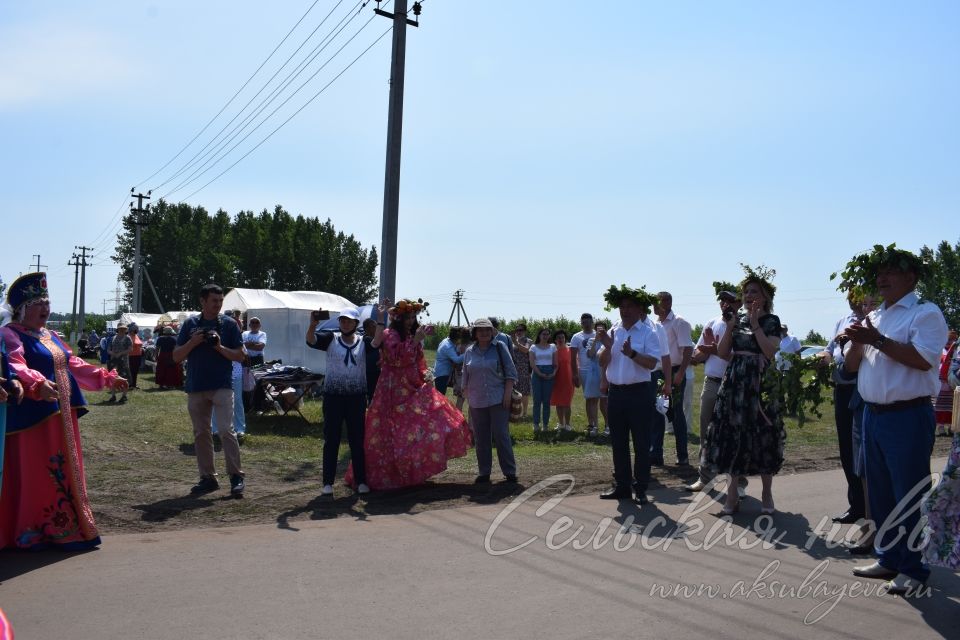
pixel 762 275
pixel 859 276
pixel 615 294
pixel 722 285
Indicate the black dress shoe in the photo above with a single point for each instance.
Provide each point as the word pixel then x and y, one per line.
pixel 847 517
pixel 482 479
pixel 860 549
pixel 511 479
pixel 617 494
pixel 641 498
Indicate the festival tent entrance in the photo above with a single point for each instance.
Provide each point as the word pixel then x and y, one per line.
pixel 284 316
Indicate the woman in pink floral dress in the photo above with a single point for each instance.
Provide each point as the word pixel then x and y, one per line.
pixel 411 430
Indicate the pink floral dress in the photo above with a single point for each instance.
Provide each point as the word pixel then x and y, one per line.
pixel 411 430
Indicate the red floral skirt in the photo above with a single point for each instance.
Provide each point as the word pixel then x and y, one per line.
pixel 44 501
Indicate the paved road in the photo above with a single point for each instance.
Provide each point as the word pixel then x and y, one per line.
pixel 429 575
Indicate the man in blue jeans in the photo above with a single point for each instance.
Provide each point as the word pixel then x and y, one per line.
pixel 896 351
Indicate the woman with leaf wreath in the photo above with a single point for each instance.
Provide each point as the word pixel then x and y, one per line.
pixel 746 435
pixel 411 430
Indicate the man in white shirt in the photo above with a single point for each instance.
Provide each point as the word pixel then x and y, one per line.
pixel 896 352
pixel 843 389
pixel 586 369
pixel 255 341
pixel 634 349
pixel 788 344
pixel 714 367
pixel 663 364
pixel 681 350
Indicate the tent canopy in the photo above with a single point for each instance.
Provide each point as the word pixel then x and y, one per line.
pixel 284 316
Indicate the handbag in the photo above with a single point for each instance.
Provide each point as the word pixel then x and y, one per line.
pixel 516 398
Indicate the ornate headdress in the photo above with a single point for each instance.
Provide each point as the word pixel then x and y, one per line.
pixel 26 288
pixel 859 276
pixel 762 275
pixel 406 305
pixel 615 295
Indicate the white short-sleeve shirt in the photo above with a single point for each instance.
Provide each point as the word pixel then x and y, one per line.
pixel 883 380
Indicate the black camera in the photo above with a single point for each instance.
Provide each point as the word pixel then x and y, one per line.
pixel 210 337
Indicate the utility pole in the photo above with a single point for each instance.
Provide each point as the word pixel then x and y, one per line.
pixel 73 315
pixel 83 284
pixel 137 223
pixel 458 307
pixel 391 186
pixel 37 256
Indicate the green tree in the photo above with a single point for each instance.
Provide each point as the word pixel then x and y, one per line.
pixel 943 285
pixel 814 337
pixel 183 248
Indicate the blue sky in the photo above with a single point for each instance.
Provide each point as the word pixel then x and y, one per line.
pixel 550 149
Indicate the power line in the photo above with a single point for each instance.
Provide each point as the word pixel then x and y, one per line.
pixel 295 113
pixel 210 162
pixel 199 155
pixel 114 221
pixel 230 101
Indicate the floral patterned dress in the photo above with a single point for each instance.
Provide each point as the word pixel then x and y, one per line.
pixel 44 502
pixel 521 361
pixel 942 508
pixel 411 430
pixel 746 435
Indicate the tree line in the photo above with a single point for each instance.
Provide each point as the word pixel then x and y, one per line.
pixel 184 247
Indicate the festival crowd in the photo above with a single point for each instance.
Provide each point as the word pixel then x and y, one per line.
pixel 893 362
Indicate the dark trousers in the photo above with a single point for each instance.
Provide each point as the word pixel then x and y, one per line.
pixel 843 415
pixel 351 409
pixel 135 362
pixel 441 382
pixel 898 446
pixel 256 361
pixel 630 414
pixel 679 422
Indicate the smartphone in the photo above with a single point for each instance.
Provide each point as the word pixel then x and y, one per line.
pixel 320 315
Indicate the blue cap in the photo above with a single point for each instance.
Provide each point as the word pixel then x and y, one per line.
pixel 26 288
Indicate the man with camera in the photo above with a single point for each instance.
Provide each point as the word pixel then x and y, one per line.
pixel 714 367
pixel 210 343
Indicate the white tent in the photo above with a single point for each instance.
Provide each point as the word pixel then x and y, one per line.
pixel 284 315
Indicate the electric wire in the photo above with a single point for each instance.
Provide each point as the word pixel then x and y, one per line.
pixel 201 153
pixel 213 159
pixel 295 113
pixel 230 101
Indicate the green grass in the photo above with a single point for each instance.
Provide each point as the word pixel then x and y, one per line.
pixel 140 464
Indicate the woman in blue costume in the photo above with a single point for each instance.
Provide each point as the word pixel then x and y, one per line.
pixel 44 499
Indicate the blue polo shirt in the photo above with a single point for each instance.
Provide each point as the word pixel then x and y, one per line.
pixel 207 370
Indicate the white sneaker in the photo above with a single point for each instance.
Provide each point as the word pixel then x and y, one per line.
pixel 606 431
pixel 327 490
pixel 566 427
pixel 699 485
pixel 362 488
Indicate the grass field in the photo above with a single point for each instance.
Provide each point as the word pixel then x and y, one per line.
pixel 140 465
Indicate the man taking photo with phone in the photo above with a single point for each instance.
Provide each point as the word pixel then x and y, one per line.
pixel 210 343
